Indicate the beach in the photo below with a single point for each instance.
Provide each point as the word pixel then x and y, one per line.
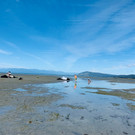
pixel 38 105
pixel 14 101
pixel 10 83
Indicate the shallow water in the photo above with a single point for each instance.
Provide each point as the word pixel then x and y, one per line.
pixel 86 112
pixel 5 109
pixel 98 108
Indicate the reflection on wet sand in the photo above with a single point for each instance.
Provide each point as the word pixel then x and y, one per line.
pixel 75 85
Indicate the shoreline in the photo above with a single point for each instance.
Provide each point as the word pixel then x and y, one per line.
pixel 12 83
pixel 110 79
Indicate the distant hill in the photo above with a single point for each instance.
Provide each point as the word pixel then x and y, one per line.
pixel 95 74
pixel 126 76
pixel 33 71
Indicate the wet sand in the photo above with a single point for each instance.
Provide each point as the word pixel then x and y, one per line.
pixel 10 83
pixel 38 105
pixel 18 100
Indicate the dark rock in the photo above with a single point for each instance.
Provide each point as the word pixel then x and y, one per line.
pixel 67 117
pixel 4 76
pixel 82 117
pixel 20 78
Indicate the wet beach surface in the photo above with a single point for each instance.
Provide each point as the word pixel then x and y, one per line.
pixel 68 108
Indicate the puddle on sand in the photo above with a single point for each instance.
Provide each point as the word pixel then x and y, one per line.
pixel 5 109
pixel 20 90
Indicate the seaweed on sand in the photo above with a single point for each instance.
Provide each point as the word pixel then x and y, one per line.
pixel 118 93
pixel 72 106
pixel 131 106
pixel 97 88
pixel 53 116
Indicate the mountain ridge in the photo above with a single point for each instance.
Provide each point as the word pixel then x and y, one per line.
pixel 33 71
pixel 96 74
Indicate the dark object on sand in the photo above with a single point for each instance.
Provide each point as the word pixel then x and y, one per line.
pixel 67 117
pixel 5 76
pixel 63 79
pixel 20 78
pixel 13 77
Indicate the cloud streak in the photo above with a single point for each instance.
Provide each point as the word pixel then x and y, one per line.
pixel 4 65
pixel 11 45
pixel 37 58
pixel 5 52
pixel 17 0
pixel 47 63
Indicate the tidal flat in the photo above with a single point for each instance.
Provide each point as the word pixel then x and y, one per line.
pixel 40 105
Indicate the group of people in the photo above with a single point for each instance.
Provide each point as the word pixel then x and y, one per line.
pixel 8 75
pixel 75 76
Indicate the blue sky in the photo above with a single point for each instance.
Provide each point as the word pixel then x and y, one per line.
pixel 68 35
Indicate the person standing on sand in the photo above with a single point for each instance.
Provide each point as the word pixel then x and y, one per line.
pixel 75 77
pixel 9 74
pixel 89 81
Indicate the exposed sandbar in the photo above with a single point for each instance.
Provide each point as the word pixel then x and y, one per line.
pixel 12 83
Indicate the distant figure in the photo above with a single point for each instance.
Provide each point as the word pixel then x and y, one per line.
pixel 89 81
pixel 75 77
pixel 9 74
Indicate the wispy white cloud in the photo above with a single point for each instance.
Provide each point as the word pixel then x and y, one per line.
pixel 5 52
pixel 131 65
pixel 47 63
pixel 46 40
pixel 37 58
pixel 17 0
pixel 69 61
pixel 126 66
pixel 5 65
pixel 107 31
pixel 11 44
